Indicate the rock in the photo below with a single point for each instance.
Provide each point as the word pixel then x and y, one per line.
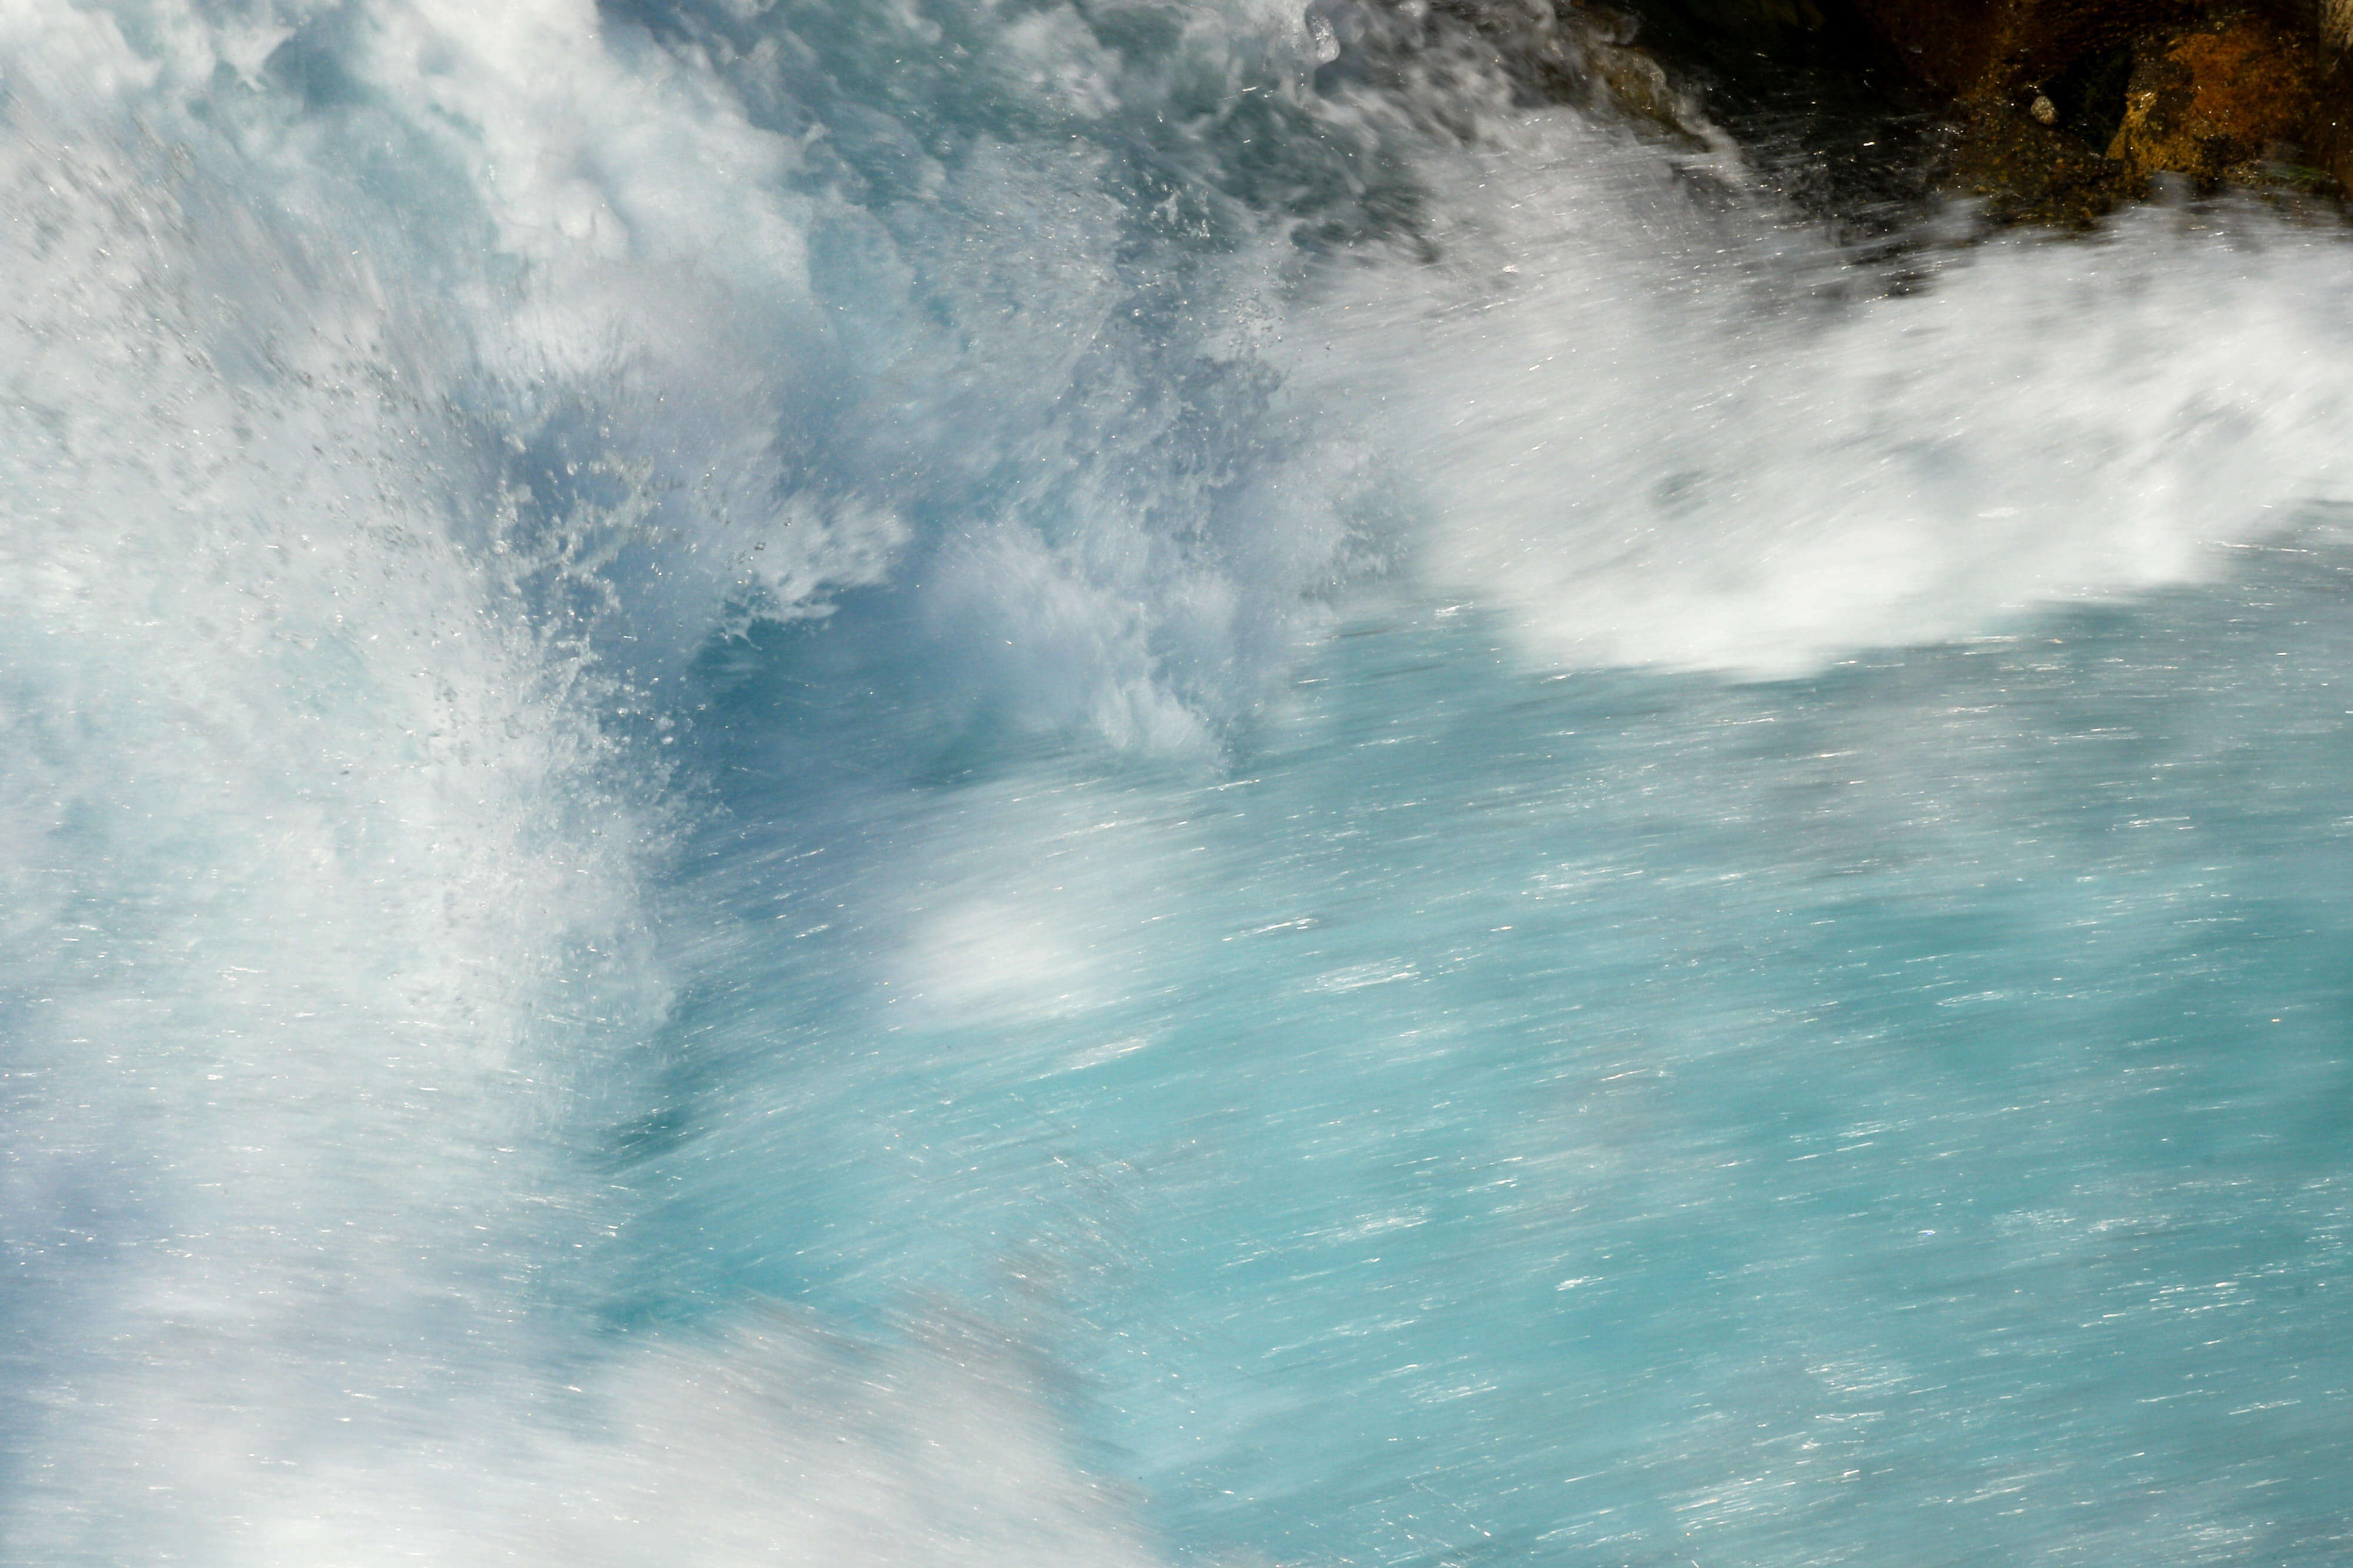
pixel 2066 107
pixel 1639 86
pixel 1585 52
pixel 2330 135
pixel 2028 172
pixel 1975 50
pixel 2049 111
pixel 2336 20
pixel 2230 99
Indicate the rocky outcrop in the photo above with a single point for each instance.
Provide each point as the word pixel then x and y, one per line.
pixel 2228 98
pixel 2049 111
pixel 1576 52
pixel 2066 107
pixel 1979 48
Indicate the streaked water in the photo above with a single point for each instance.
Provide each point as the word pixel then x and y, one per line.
pixel 954 783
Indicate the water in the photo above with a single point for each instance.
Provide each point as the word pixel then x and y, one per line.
pixel 1122 785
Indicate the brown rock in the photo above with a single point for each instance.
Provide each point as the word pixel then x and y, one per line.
pixel 1979 48
pixel 1584 53
pixel 2064 107
pixel 2025 172
pixel 2214 100
pixel 1638 85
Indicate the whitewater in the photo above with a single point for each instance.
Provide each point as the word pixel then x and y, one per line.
pixel 970 782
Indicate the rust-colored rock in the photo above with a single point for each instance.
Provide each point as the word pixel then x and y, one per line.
pixel 2065 107
pixel 2218 100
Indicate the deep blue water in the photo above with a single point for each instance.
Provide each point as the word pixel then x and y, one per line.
pixel 958 783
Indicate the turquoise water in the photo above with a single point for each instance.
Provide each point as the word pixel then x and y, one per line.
pixel 1885 1116
pixel 1128 785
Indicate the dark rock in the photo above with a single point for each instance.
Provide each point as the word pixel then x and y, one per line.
pixel 1588 55
pixel 2047 112
pixel 1976 50
pixel 2025 171
pixel 1821 113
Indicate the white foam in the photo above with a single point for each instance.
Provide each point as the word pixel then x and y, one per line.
pixel 778 1445
pixel 324 867
pixel 328 969
pixel 1631 421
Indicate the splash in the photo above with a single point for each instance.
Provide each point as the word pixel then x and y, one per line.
pixel 523 527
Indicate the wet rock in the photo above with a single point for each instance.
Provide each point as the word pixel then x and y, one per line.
pixel 2064 108
pixel 2230 99
pixel 1572 51
pixel 2329 137
pixel 2046 112
pixel 2026 172
pixel 1638 85
pixel 2335 18
pixel 1817 113
pixel 1979 50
